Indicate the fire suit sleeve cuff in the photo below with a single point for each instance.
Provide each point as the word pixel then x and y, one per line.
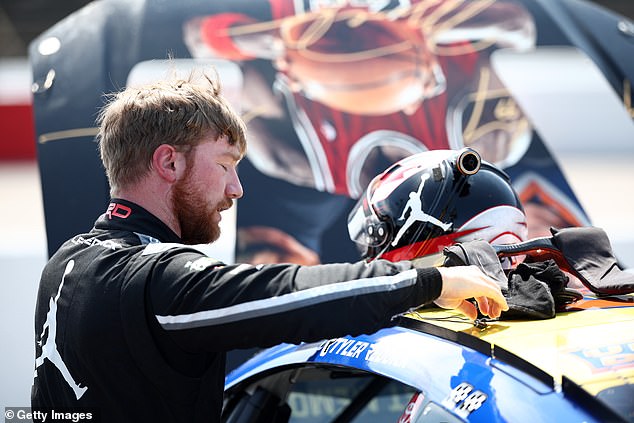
pixel 430 283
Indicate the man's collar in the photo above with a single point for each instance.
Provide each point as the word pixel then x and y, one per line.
pixel 126 215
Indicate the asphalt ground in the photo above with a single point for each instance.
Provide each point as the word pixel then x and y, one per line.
pixel 603 183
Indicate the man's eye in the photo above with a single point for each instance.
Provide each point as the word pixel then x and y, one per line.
pixel 223 166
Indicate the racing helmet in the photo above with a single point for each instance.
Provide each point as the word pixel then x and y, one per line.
pixel 435 199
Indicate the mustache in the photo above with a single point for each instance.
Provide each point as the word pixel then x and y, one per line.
pixel 226 204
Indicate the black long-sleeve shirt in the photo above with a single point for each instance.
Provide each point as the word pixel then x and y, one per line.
pixel 135 325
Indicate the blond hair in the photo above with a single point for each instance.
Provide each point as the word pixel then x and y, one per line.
pixel 178 112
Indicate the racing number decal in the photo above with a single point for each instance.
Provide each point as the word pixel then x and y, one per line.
pixel 471 403
pixel 463 400
pixel 460 392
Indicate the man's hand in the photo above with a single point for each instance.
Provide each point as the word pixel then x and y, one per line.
pixel 463 282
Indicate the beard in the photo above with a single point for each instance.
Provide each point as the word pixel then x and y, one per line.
pixel 194 215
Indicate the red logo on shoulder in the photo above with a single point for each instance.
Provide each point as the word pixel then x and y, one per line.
pixel 118 210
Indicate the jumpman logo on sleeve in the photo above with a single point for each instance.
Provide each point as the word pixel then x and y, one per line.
pixel 415 205
pixel 49 348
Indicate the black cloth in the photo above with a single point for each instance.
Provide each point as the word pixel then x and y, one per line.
pixel 136 325
pixel 532 290
pixel 588 252
pixel 478 253
pixel 549 273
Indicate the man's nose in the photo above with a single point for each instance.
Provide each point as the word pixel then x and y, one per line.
pixel 234 187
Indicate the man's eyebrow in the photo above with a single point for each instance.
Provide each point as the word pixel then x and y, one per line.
pixel 234 155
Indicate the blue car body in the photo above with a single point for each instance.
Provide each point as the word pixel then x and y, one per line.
pixel 457 375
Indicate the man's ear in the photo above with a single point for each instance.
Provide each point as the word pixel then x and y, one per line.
pixel 167 163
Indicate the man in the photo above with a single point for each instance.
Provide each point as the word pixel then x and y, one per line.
pixel 141 318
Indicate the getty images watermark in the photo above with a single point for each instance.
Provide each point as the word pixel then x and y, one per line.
pixel 62 415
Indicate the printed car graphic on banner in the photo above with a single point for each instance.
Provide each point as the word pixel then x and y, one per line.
pixel 333 92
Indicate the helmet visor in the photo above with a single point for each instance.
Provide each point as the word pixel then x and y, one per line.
pixel 364 226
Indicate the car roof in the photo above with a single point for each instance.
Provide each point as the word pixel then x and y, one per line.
pixel 580 356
